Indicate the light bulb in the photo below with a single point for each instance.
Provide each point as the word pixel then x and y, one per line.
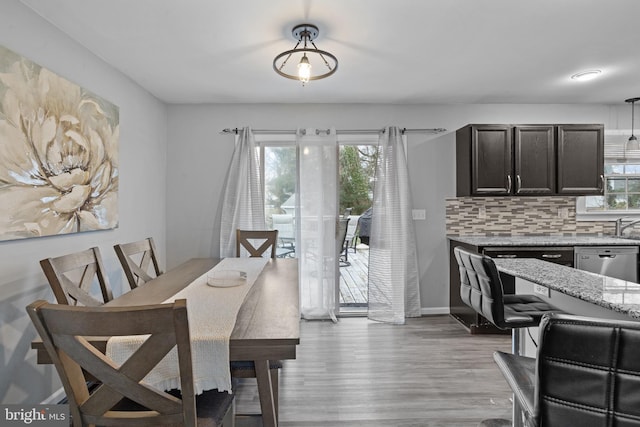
pixel 304 69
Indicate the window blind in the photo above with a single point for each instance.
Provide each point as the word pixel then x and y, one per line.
pixel 615 147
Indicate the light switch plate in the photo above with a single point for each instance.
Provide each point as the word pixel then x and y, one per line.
pixel 419 214
pixel 541 290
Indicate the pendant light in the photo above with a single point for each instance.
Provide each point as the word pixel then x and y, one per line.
pixel 311 59
pixel 632 143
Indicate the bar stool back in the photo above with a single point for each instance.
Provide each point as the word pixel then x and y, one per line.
pixel 481 289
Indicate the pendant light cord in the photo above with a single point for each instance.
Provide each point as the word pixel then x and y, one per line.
pixel 633 103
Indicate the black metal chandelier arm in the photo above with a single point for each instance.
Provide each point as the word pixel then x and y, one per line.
pixel 287 58
pixel 323 58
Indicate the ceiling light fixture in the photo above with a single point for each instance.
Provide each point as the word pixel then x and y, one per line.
pixel 310 58
pixel 586 75
pixel 632 143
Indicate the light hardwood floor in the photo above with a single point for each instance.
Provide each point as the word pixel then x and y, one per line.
pixel 429 372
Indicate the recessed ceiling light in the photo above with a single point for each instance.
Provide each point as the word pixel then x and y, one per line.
pixel 584 76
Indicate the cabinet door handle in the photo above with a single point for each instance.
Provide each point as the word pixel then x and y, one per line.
pixel 508 183
pixel 601 183
pixel 506 256
pixel 518 183
pixel 552 256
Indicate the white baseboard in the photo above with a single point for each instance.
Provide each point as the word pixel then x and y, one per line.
pixel 430 311
pixel 56 397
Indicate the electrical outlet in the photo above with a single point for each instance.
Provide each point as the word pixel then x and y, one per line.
pixel 482 212
pixel 419 214
pixel 541 290
pixel 563 213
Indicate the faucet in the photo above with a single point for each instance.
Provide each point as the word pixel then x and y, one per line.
pixel 620 228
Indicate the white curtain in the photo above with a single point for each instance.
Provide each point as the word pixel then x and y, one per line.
pixel 317 207
pixel 243 202
pixel 394 289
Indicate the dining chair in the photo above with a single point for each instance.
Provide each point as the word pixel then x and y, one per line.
pixel 256 242
pixel 267 239
pixel 481 289
pixel 586 373
pixel 136 259
pixel 122 397
pixel 72 276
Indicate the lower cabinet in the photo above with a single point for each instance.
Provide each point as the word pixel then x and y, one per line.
pixel 469 318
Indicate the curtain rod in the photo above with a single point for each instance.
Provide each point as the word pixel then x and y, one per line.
pixel 344 132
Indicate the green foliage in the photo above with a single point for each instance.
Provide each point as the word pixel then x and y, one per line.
pixel 356 168
pixel 280 167
pixel 356 173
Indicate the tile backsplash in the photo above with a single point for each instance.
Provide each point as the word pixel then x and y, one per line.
pixel 518 216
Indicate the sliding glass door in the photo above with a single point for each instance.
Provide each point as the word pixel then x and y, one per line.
pixel 356 159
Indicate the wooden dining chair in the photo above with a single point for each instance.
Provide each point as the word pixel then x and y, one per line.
pixel 267 239
pixel 72 276
pixel 250 239
pixel 137 258
pixel 122 397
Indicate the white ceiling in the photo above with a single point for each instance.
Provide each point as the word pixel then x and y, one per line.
pixel 390 51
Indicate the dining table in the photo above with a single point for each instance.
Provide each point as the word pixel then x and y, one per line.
pixel 267 325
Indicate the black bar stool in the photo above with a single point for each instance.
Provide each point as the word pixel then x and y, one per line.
pixel 586 373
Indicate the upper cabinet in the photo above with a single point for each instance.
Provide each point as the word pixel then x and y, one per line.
pixel 580 159
pixel 494 160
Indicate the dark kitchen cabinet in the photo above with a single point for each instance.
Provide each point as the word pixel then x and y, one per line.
pixel 534 160
pixel 580 159
pixel 527 160
pixel 484 156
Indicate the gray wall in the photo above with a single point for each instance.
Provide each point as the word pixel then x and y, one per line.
pixel 200 157
pixel 142 196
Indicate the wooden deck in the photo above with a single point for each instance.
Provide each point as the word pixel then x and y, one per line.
pixel 354 278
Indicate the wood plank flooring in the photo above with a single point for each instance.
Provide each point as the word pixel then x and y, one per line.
pixel 354 278
pixel 429 372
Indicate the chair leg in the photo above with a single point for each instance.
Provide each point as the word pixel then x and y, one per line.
pixel 275 384
pixel 515 341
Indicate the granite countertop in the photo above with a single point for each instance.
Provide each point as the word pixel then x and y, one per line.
pixel 545 240
pixel 613 294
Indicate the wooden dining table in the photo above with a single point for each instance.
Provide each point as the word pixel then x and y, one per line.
pixel 267 326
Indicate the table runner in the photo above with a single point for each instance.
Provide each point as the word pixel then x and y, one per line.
pixel 212 313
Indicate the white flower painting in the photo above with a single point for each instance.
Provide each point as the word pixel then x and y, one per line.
pixel 58 154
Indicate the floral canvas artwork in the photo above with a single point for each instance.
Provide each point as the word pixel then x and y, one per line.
pixel 58 154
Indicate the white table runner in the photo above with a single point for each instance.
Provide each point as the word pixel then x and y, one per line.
pixel 212 315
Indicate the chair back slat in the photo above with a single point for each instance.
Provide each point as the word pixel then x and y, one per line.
pixel 250 239
pixel 136 259
pixel 72 276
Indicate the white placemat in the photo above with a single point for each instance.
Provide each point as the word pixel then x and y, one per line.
pixel 212 315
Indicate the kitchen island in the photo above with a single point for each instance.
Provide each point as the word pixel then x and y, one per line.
pixel 590 293
pixel 572 291
pixel 552 248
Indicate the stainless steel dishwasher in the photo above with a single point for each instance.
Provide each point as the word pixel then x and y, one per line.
pixel 620 262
